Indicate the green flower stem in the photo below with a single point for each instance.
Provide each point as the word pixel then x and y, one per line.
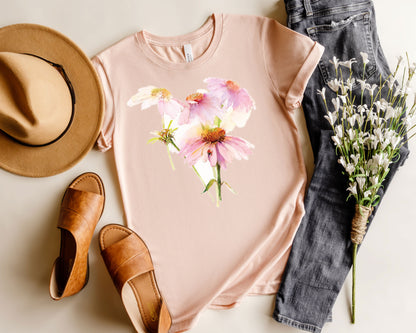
pixel 193 167
pixel 407 140
pixel 197 173
pixel 219 196
pixel 340 75
pixel 173 144
pixel 170 158
pixel 354 257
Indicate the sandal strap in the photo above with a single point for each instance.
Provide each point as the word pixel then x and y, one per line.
pixel 80 212
pixel 165 320
pixel 127 259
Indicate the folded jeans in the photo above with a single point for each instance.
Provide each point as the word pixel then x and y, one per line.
pixel 320 258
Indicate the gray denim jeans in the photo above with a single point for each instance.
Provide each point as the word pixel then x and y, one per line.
pixel 321 254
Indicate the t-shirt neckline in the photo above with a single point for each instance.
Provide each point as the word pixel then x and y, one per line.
pixel 214 25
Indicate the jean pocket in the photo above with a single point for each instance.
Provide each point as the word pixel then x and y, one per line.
pixel 345 39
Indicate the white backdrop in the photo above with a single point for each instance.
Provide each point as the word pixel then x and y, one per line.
pixel 29 240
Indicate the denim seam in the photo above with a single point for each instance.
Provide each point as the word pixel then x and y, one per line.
pixel 297 324
pixel 289 22
pixel 332 11
pixel 308 7
pixel 364 16
pixel 314 286
pixel 370 44
pixel 297 7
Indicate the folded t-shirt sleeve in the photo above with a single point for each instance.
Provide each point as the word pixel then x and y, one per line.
pixel 105 138
pixel 290 59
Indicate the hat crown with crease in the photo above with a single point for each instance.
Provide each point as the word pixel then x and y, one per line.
pixel 35 101
pixel 51 101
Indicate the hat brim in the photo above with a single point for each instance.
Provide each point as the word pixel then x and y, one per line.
pixel 88 111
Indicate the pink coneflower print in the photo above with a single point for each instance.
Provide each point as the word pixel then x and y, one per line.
pixel 231 95
pixel 199 126
pixel 215 146
pixel 151 95
pixel 202 106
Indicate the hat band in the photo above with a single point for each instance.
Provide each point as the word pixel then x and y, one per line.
pixel 61 70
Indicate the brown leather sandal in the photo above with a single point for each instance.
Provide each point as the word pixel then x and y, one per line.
pixel 81 209
pixel 129 263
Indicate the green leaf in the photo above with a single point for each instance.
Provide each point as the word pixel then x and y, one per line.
pixel 211 182
pixel 364 200
pixel 373 186
pixel 230 188
pixel 351 195
pixel 351 179
pixel 152 140
pixel 376 200
pixel 386 172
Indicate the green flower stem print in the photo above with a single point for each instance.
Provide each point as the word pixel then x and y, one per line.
pixel 166 136
pixel 219 184
pixel 199 127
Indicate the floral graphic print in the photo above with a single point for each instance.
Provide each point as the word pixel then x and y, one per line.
pixel 216 147
pixel 198 129
pixel 149 96
pixel 201 106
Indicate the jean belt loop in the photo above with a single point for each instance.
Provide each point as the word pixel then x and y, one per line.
pixel 308 8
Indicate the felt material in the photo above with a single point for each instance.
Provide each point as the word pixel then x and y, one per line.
pixel 62 154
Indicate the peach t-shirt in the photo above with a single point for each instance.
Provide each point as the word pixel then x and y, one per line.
pixel 211 110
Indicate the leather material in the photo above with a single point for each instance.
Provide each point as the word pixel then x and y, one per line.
pixel 126 259
pixel 79 215
pixel 165 320
pixel 130 266
pixel 80 212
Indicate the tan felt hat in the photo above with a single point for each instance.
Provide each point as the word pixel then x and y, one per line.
pixel 51 101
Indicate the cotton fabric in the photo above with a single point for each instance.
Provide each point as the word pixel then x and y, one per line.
pixel 208 256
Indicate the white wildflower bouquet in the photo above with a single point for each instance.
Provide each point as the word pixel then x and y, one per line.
pixel 368 137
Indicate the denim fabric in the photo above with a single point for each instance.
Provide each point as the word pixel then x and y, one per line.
pixel 321 253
